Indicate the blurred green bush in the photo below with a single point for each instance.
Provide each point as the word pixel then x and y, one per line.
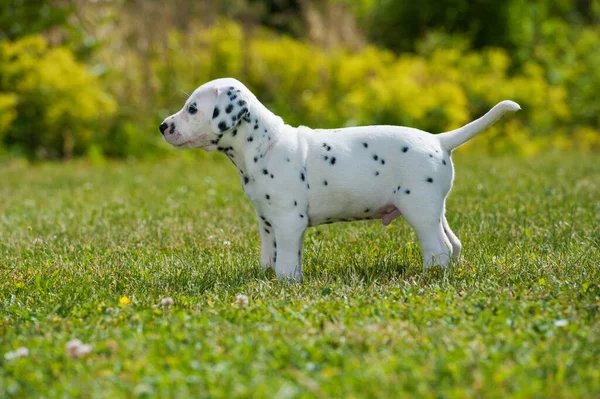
pixel 51 105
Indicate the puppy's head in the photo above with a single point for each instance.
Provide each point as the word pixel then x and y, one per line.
pixel 214 109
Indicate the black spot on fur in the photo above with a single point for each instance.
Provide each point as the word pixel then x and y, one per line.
pixel 332 161
pixel 255 127
pixel 407 191
pixel 268 224
pixel 267 196
pixel 229 108
pixel 223 126
pixel 375 157
pixel 325 182
pixel 328 148
pixel 365 145
pixel 326 157
pixel 215 112
pixel 444 161
pixel 249 139
pixel 430 156
pixel 246 180
pixel 172 128
pixel 234 132
pixel 287 159
pixel 265 172
pixel 255 159
pixel 242 112
pixel 302 177
pixel 267 231
pixel 429 180
pixel 234 97
pixel 376 173
pixel 241 103
pixel 367 210
pixel 295 203
pixel 263 218
pixel 302 216
pixel 383 161
pixel 404 149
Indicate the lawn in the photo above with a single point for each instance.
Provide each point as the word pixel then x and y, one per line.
pixel 88 252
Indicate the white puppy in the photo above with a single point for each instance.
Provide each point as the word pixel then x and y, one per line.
pixel 298 177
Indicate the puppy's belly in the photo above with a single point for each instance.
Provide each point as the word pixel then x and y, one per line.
pixel 345 206
pixel 386 213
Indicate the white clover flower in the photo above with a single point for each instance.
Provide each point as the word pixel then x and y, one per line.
pixel 561 322
pixel 16 354
pixel 22 352
pixel 241 300
pixel 168 301
pixel 77 349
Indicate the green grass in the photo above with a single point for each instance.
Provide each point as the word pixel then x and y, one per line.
pixel 366 321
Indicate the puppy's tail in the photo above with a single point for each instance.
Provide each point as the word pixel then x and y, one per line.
pixel 456 138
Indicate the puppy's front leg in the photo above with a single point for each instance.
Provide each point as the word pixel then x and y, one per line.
pixel 268 246
pixel 289 235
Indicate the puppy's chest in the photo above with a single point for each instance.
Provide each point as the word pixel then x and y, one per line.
pixel 276 183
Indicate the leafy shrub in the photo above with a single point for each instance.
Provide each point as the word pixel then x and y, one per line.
pixel 58 107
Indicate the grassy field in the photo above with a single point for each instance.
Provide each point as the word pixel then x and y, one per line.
pixel 88 252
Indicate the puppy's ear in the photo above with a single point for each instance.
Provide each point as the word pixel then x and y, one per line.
pixel 230 109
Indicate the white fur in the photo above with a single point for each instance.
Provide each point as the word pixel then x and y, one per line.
pixel 300 177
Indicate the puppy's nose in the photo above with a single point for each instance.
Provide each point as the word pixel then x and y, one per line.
pixel 163 126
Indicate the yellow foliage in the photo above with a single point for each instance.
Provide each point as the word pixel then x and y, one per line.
pixel 8 112
pixel 586 138
pixel 59 99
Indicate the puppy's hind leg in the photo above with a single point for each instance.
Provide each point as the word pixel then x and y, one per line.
pixel 456 245
pixel 425 217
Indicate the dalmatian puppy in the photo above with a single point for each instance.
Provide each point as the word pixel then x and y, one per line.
pixel 298 177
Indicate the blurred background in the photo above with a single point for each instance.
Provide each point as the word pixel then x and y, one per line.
pixel 94 78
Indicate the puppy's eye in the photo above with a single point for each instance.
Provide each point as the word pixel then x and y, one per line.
pixel 192 109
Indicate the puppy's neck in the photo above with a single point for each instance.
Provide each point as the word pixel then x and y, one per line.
pixel 247 144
